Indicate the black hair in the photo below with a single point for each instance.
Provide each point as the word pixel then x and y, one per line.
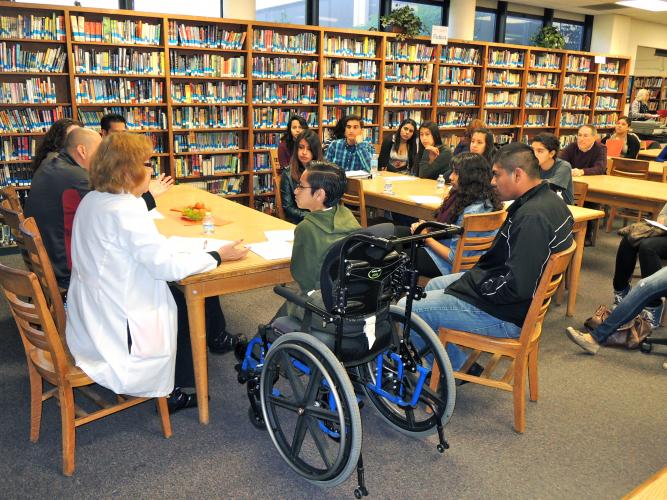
pixel 107 120
pixel 474 184
pixel 287 137
pixel 313 140
pixel 435 132
pixel 53 140
pixel 350 118
pixel 518 155
pixel 624 117
pixel 338 131
pixel 412 143
pixel 489 146
pixel 329 177
pixel 550 141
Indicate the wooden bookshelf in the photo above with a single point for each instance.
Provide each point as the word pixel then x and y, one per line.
pixel 656 86
pixel 214 95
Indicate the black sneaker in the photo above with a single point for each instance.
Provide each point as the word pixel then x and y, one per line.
pixel 179 400
pixel 224 343
pixel 476 369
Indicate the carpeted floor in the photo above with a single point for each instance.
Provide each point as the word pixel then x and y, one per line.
pixel 599 429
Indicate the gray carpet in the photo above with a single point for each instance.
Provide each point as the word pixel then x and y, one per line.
pixel 599 429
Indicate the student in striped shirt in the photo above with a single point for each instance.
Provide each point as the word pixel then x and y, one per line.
pixel 352 152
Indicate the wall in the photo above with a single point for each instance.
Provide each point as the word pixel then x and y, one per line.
pixel 235 9
pixel 648 64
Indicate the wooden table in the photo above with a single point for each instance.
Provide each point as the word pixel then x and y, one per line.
pixel 656 170
pixel 401 202
pixel 246 274
pixel 648 154
pixel 621 192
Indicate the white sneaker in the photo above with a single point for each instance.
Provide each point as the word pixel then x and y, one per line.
pixel 584 340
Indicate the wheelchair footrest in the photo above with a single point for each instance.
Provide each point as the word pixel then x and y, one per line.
pixel 383 374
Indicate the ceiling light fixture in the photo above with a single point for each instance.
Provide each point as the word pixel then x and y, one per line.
pixel 651 5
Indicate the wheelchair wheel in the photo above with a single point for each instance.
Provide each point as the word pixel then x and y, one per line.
pixel 431 405
pixel 310 409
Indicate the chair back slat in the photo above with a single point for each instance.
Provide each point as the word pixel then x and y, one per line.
pixel 275 173
pixel 579 191
pixel 353 198
pixel 10 194
pixel 626 167
pixel 470 241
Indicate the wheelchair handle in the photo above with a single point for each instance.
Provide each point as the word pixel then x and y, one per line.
pixel 291 295
pixel 439 230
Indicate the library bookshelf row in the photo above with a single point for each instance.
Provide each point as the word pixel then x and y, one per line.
pixel 657 91
pixel 215 95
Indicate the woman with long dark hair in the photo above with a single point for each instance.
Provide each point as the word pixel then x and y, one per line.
pixel 464 144
pixel 471 193
pixel 307 148
pixel 295 126
pixel 435 157
pixel 399 150
pixel 53 141
pixel 481 142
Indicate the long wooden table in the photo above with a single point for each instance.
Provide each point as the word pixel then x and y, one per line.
pixel 402 202
pixel 648 154
pixel 246 274
pixel 621 192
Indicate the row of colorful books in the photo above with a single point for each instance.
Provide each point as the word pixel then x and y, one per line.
pixel 206 65
pixel 205 36
pixel 27 120
pixel 503 78
pixel 605 120
pixel 537 119
pixel 341 68
pixel 393 118
pixel 33 27
pixel 284 68
pixel 500 57
pixel 208 92
pixel 205 141
pixel 457 97
pixel 111 30
pixel 461 55
pixel 421 73
pixel 358 47
pixel 271 40
pixel 568 119
pixel 32 90
pixel 545 60
pixel 458 76
pixel 284 93
pixel 279 117
pixel 331 114
pixel 207 165
pixel 579 63
pixel 611 84
pixel 208 117
pixel 606 103
pixel 262 183
pixel 222 187
pixel 15 175
pixel 118 90
pixel 345 93
pixel 575 82
pixel 539 99
pixel 14 58
pixel 137 118
pixel 455 119
pixel 502 98
pixel 17 148
pixel 576 101
pixel 546 80
pixel 407 95
pixel 498 118
pixel 413 52
pixel 120 60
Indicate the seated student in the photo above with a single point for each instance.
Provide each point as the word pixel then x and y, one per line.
pixel 295 126
pixel 649 290
pixel 338 132
pixel 319 191
pixel 639 108
pixel 464 144
pixel 53 141
pixel 586 155
pixel 352 152
pixel 399 150
pixel 121 317
pixel 112 122
pixel 471 193
pixel 435 158
pixel 307 149
pixel 493 297
pixel 631 143
pixel 481 143
pixel 557 172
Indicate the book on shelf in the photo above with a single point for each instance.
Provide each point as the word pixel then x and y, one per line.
pixel 284 68
pixel 503 78
pixel 405 72
pixel 213 65
pixel 579 63
pixel 647 82
pixel 611 67
pixel 345 93
pixel 605 120
pixel 457 97
pixel 502 98
pixel 208 92
pixel 267 140
pixel 340 68
pixel 499 118
pixel 411 52
pixel 14 58
pixel 136 118
pixel 279 118
pixel 17 148
pixel 19 175
pixel 541 119
pixel 407 95
pixel 205 141
pixel 608 83
pixel 208 117
pixel 119 60
pixel 30 91
pixel 274 41
pixel 157 140
pixel 284 93
pixel 538 99
pixel 576 101
pixel 393 119
pixel 335 45
pixel 502 139
pixel 606 103
pixel 506 57
pixel 261 161
pixel 222 187
pixel 205 36
pixel 262 183
pixel 331 114
pixel 461 55
pixel 118 90
pixel 450 75
pixel 545 80
pixel 544 60
pixel 207 165
pixel 33 27
pixel 111 30
pixel 455 119
pixel 575 82
pixel 28 120
pixel 567 139
pixel 573 120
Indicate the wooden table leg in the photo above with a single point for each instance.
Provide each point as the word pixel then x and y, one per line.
pixel 579 231
pixel 197 322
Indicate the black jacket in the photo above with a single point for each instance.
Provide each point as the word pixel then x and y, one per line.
pixel 287 185
pixel 504 280
pixel 441 165
pixel 384 160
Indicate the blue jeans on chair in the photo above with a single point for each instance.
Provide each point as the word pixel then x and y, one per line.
pixel 442 310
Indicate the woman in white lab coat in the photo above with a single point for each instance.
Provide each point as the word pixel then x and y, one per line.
pixel 121 316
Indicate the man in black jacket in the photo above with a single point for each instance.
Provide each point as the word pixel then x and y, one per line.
pixel 493 298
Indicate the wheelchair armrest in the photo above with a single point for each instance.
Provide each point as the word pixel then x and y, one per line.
pixel 291 295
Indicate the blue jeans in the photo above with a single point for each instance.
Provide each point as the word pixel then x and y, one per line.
pixel 443 310
pixel 647 290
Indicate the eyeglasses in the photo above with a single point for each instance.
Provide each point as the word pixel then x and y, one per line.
pixel 301 186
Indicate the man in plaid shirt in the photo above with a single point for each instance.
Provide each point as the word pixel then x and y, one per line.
pixel 351 153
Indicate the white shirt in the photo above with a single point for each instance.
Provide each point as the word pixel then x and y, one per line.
pixel 120 269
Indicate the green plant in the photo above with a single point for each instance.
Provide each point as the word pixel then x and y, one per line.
pixel 405 20
pixel 549 37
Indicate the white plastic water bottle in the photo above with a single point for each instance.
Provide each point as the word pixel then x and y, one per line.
pixel 208 223
pixel 374 166
pixel 440 183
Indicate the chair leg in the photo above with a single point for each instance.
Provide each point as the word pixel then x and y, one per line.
pixel 519 393
pixel 66 397
pixel 435 376
pixel 612 216
pixel 165 421
pixel 532 374
pixel 36 387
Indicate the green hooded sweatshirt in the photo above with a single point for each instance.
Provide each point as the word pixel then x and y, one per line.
pixel 312 238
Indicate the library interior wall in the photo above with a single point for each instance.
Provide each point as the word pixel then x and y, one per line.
pixel 236 9
pixel 462 19
pixel 648 64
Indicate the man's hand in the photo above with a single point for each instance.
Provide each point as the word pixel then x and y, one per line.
pixel 231 251
pixel 577 172
pixel 415 225
pixel 160 185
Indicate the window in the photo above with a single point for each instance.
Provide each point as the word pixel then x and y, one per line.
pixel 98 4
pixel 485 25
pixel 428 13
pixel 519 28
pixel 360 14
pixel 208 8
pixel 573 33
pixel 281 11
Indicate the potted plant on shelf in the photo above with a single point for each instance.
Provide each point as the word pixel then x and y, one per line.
pixel 548 37
pixel 404 22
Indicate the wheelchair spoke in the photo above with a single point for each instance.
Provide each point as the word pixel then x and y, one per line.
pixel 295 383
pixel 410 414
pixel 320 441
pixel 284 403
pixel 323 414
pixel 427 393
pixel 310 394
pixel 299 435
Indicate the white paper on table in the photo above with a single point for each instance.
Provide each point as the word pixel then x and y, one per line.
pixel 272 250
pixel 155 215
pixel 185 244
pixel 280 235
pixel 399 178
pixel 357 174
pixel 656 224
pixel 426 200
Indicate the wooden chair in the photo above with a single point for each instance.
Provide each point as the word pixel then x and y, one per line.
pixel 353 198
pixel 579 191
pixel 275 173
pixel 664 173
pixel 14 218
pixel 522 351
pixel 10 194
pixel 47 360
pixel 470 241
pixel 632 169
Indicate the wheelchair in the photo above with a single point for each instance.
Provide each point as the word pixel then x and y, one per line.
pixel 309 373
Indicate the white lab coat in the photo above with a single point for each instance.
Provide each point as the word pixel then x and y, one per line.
pixel 120 269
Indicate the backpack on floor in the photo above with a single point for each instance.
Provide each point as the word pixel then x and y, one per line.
pixel 629 335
